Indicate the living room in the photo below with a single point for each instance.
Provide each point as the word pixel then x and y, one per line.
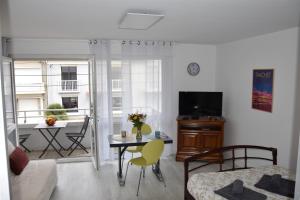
pixel 227 40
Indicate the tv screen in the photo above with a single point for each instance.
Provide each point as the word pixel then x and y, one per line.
pixel 200 103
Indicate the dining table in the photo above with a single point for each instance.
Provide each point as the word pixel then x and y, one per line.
pixel 122 143
pixel 50 133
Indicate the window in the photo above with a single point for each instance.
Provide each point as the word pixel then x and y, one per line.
pixel 69 79
pixel 143 77
pixel 70 102
pixel 116 103
pixel 68 73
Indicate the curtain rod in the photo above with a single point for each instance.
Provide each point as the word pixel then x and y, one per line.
pixel 139 42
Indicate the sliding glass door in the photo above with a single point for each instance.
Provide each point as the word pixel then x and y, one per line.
pixel 9 95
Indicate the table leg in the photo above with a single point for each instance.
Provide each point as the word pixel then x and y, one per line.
pixel 156 170
pixel 120 173
pixel 54 137
pixel 50 141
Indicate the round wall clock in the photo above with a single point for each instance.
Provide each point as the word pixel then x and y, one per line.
pixel 193 69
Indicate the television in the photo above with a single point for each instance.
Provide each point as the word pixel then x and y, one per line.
pixel 197 104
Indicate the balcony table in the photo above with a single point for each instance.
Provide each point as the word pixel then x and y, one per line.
pixel 44 129
pixel 123 143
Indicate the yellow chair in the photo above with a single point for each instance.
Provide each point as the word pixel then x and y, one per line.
pixel 151 153
pixel 146 130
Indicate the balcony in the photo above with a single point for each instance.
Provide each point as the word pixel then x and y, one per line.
pixel 30 88
pixel 67 86
pixel 28 119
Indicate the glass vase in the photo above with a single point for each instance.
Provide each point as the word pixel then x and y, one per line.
pixel 139 133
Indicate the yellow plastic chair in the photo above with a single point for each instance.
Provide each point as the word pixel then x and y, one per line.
pixel 151 153
pixel 146 130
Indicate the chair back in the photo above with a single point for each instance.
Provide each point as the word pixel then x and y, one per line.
pixel 85 125
pixel 146 129
pixel 152 151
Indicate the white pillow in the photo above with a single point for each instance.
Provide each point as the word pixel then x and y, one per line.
pixel 10 147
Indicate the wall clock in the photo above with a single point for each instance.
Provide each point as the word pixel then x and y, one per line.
pixel 193 69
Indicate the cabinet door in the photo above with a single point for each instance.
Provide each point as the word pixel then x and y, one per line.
pixel 188 141
pixel 211 140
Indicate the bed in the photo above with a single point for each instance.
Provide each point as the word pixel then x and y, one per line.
pixel 202 185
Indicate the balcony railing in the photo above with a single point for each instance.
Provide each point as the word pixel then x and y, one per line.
pixel 36 116
pixel 69 86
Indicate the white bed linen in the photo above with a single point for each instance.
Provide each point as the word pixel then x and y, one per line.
pixel 202 185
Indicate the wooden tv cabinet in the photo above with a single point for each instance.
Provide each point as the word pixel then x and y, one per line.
pixel 198 135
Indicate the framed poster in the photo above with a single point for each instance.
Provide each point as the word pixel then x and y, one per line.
pixel 262 89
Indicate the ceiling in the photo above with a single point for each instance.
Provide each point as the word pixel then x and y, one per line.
pixel 190 21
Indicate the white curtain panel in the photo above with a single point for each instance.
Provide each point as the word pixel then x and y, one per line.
pixel 147 83
pixel 101 50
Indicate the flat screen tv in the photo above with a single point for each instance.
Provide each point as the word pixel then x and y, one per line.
pixel 197 104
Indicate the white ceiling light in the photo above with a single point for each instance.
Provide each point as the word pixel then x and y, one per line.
pixel 139 21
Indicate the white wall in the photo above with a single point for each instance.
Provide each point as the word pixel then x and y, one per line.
pixel 244 125
pixel 4 181
pixel 54 48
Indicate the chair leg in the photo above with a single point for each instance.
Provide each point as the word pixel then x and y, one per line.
pixel 72 150
pixel 162 178
pixel 26 149
pixel 72 140
pixel 78 143
pixel 126 173
pixel 137 193
pixel 22 145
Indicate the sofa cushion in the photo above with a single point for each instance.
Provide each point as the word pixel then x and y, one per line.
pixel 18 161
pixel 36 182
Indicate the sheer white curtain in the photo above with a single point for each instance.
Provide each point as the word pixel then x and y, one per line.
pixel 147 83
pixel 101 50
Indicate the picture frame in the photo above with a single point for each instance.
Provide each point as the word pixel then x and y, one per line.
pixel 262 89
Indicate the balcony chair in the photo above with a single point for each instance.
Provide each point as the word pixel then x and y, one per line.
pixel 23 138
pixel 77 138
pixel 151 153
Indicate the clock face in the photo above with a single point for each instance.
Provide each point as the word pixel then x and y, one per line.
pixel 193 69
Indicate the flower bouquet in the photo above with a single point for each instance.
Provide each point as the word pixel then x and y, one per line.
pixel 138 120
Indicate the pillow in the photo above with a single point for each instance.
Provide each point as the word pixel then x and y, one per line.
pixel 18 161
